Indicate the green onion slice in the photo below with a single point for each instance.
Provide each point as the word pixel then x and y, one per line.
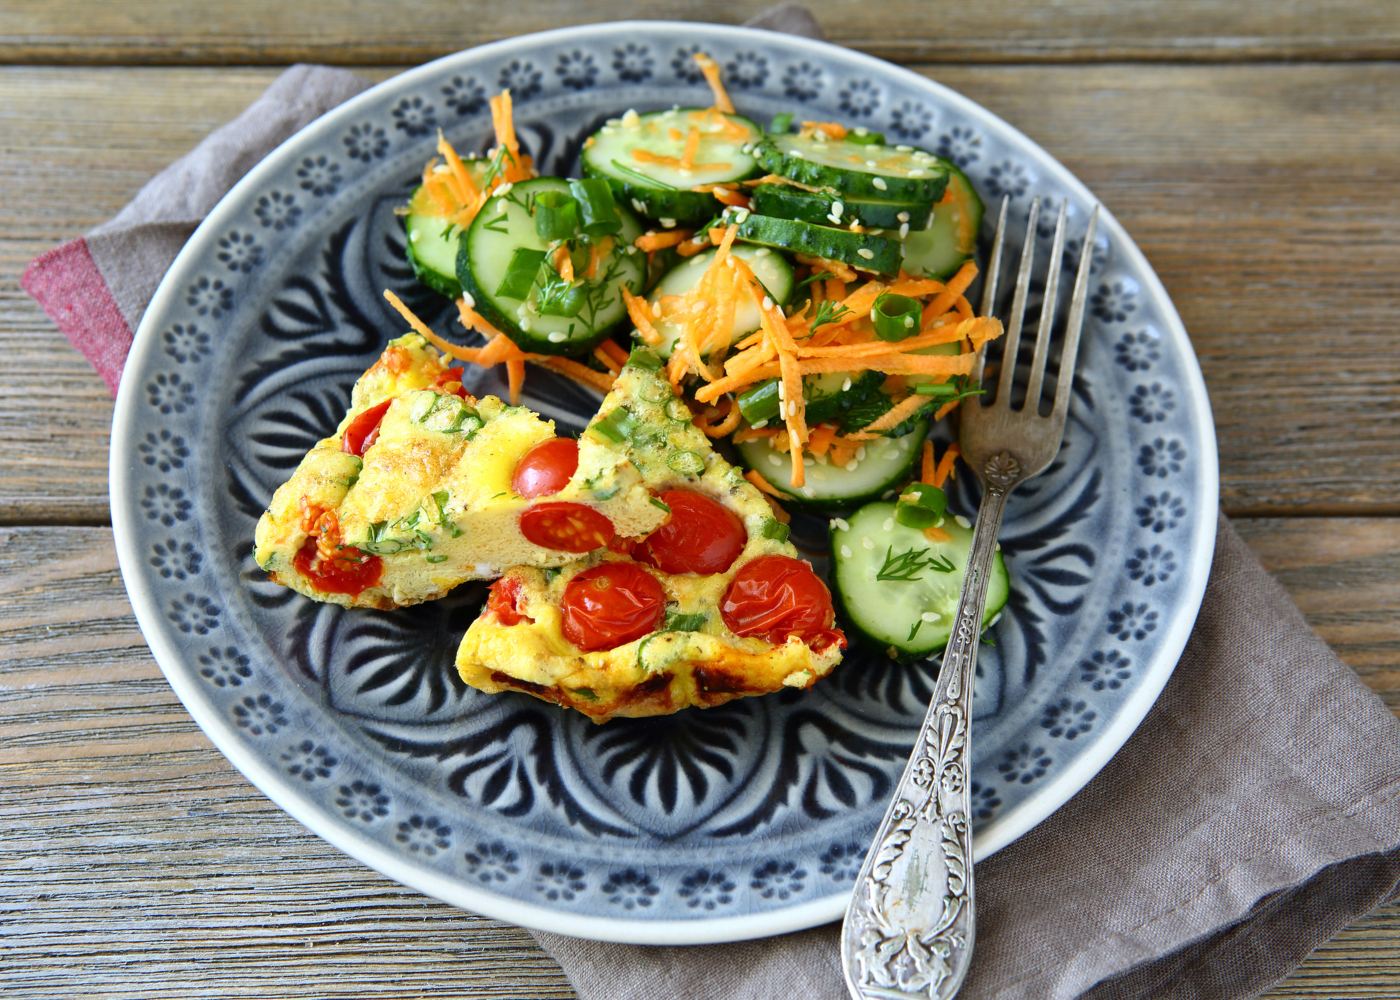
pixel 896 316
pixel 596 206
pixel 520 273
pixel 760 402
pixel 556 216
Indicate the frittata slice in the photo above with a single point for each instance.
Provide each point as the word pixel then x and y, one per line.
pixel 714 605
pixel 416 492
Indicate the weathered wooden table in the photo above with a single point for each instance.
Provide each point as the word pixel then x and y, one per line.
pixel 1253 151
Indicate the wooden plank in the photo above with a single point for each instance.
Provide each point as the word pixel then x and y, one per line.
pixel 1280 246
pixel 148 32
pixel 138 863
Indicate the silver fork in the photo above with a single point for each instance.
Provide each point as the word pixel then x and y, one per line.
pixel 909 929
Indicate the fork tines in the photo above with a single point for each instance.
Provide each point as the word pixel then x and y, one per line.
pixel 1049 301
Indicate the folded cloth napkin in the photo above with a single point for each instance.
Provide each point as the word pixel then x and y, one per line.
pixel 1254 814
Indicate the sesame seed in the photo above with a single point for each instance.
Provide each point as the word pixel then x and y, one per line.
pixel 767 302
pixel 871 163
pixel 796 154
pixel 775 460
pixel 903 216
pixel 880 185
pixel 993 622
pixel 918 172
pixel 722 190
pixel 908 322
pixel 504 189
pixel 867 543
pixel 781 389
pixel 742 215
pixel 557 337
pixel 638 206
pixel 889 524
pixel 467 299
pixel 837 208
pixel 792 408
pixel 630 118
pixel 668 223
pixel 760 425
pixel 846 552
pixel 656 309
pixel 851 465
pixel 413 236
pixel 840 524
pixel 808 492
pixel 929 616
pixel 860 454
pixel 962 521
pixel 866 253
pixel 762 252
pixel 846 386
pixel 861 130
pixel 525 325
pixel 904 230
pixel 905 149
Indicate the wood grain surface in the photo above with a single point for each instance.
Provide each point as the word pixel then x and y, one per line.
pixel 1252 150
pixel 353 33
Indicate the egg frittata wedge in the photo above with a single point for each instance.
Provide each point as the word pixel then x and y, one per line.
pixel 423 487
pixel 711 606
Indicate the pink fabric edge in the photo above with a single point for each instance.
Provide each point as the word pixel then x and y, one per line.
pixel 67 284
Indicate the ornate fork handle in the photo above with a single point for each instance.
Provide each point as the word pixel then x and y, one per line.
pixel 909 930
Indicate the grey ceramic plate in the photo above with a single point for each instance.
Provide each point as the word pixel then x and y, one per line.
pixel 706 826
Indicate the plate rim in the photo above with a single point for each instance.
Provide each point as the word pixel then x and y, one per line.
pixel 1001 831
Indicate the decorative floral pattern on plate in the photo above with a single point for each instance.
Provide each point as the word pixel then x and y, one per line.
pixel 736 813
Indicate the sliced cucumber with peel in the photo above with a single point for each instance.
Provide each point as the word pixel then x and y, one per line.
pixel 898 588
pixel 900 173
pixel 827 208
pixel 942 248
pixel 883 468
pixel 862 251
pixel 432 238
pixel 663 191
pixel 506 224
pixel 770 267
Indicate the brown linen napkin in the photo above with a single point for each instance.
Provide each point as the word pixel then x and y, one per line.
pixel 1254 814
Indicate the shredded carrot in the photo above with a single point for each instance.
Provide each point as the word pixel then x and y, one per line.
pixel 754 434
pixel 469 192
pixel 582 374
pixel 945 470
pixel 596 253
pixel 926 466
pixel 956 285
pixel 820 440
pixel 733 383
pixel 832 267
pixel 727 197
pixel 832 130
pixel 564 263
pixel 651 242
pixel 639 311
pixel 896 414
pixel 717 428
pixel 606 360
pixel 515 377
pixel 692 146
pixel 615 351
pixel 693 246
pixel 662 160
pixel 712 76
pixel 936 534
pixel 945 409
pixel 764 486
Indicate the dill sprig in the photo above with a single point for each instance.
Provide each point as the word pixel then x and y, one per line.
pixel 911 564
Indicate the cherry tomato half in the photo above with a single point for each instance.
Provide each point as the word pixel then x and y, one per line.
pixel 348 571
pixel 546 468
pixel 504 601
pixel 611 605
pixel 451 382
pixel 774 597
pixel 566 527
pixel 364 429
pixel 701 535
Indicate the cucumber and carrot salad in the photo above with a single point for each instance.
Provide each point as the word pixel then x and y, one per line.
pixel 805 286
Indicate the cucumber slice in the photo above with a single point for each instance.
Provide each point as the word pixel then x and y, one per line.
pixel 899 589
pixel 863 251
pixel 885 466
pixel 432 241
pixel 901 173
pixel 504 225
pixel 938 251
pixel 825 208
pixel 769 267
pixel 663 190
